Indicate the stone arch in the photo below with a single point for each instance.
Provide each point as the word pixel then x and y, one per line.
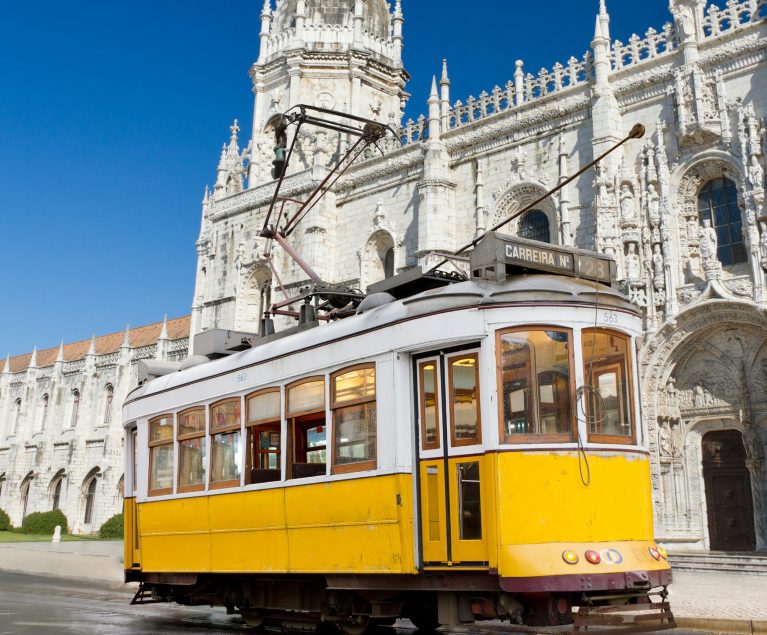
pixel 254 297
pixel 379 258
pixel 707 370
pixel 519 196
pixel 24 492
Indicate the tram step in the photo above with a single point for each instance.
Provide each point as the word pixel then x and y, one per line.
pixel 632 618
pixel 144 596
pixel 721 562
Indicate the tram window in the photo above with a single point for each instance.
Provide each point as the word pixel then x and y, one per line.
pixel 161 455
pixel 607 375
pixel 226 459
pixel 354 419
pixel 427 380
pixel 464 399
pixel 307 428
pixel 263 449
pixel 469 501
pixel 191 450
pixel 535 385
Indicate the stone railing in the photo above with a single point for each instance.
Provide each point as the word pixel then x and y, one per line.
pixel 639 50
pixel 331 36
pixel 145 352
pixel 112 359
pixel 737 14
pixel 75 366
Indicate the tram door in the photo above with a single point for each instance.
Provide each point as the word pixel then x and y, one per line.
pixel 451 460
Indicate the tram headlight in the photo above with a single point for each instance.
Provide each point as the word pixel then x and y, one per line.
pixel 663 552
pixel 593 557
pixel 570 557
pixel 654 553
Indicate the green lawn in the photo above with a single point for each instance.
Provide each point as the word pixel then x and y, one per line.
pixel 9 536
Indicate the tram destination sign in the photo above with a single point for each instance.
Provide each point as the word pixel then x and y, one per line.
pixel 497 256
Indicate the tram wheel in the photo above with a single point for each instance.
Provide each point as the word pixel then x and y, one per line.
pixel 252 618
pixel 364 626
pixel 424 617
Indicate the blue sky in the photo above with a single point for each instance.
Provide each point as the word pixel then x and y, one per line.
pixel 112 116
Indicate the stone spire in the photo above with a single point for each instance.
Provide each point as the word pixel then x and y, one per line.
pixel 435 124
pixel 33 359
pixel 126 339
pixel 162 340
pixel 60 356
pixel 604 19
pixel 164 330
pixel 7 367
pixel 92 347
pixel 266 23
pixel 444 103
pixel 397 20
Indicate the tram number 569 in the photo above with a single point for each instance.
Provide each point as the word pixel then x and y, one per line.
pixel 610 318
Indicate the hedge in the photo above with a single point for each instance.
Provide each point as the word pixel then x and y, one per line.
pixel 44 523
pixel 113 528
pixel 5 521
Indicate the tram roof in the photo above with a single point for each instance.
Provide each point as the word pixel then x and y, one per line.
pixel 534 289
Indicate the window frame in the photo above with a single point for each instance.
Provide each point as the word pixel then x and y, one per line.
pixel 477 440
pixel 520 439
pixel 163 491
pixel 291 417
pixel 360 466
pixel 631 406
pixel 212 432
pixel 182 489
pixel 438 388
pixel 254 427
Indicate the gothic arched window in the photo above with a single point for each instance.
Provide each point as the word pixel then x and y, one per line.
pixel 2 484
pixel 718 203
pixel 89 495
pixel 16 416
pixel 388 263
pixel 110 393
pixel 56 487
pixel 25 495
pixel 75 407
pixel 44 414
pixel 535 226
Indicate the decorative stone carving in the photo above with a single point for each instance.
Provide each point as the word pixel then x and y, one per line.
pixel 756 173
pixel 708 241
pixel 628 207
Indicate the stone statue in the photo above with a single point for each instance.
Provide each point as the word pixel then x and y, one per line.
pixel 708 241
pixel 699 401
pixel 664 439
pixel 686 22
pixel 756 173
pixel 692 228
pixel 657 264
pixel 632 263
pixel 628 208
pixel 653 201
pixel 677 440
pixel 763 245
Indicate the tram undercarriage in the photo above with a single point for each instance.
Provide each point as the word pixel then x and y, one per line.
pixel 357 604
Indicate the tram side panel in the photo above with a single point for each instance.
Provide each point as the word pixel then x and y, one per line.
pixel 362 525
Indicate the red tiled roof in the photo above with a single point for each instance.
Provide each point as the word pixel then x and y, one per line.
pixel 141 336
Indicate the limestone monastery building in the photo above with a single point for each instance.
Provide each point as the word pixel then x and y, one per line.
pixel 682 212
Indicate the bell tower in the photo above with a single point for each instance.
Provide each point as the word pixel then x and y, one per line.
pixel 343 55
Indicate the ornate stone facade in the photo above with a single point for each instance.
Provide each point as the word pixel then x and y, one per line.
pixel 61 435
pixel 679 211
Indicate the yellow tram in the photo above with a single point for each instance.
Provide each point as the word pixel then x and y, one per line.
pixel 455 451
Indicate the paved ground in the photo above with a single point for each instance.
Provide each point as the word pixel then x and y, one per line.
pixel 693 595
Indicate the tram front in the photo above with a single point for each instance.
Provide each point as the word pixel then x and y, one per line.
pixel 544 478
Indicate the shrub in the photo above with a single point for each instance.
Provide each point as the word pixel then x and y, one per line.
pixel 113 528
pixel 44 523
pixel 5 521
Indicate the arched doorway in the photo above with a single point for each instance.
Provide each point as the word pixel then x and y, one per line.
pixel 728 492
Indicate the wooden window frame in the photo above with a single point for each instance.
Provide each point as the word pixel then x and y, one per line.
pixel 218 431
pixel 164 491
pixel 477 440
pixel 425 446
pixel 361 466
pixel 292 414
pixel 254 426
pixel 520 439
pixel 629 371
pixel 181 489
